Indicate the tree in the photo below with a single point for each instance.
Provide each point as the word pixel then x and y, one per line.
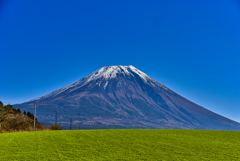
pixel 30 115
pixel 24 112
pixel 19 111
pixel 1 104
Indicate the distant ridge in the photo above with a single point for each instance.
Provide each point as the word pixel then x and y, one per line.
pixel 125 97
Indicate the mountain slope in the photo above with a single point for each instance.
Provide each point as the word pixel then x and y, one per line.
pixel 125 97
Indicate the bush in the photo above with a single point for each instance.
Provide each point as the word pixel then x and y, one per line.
pixel 55 127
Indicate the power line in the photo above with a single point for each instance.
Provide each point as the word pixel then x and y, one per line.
pixel 41 106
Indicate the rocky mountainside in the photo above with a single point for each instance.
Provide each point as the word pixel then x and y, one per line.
pixel 124 97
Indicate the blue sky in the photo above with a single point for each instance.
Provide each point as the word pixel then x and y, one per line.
pixel 192 47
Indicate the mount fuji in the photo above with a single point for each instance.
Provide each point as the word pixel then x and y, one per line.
pixel 124 97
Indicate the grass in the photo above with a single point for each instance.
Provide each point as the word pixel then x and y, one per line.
pixel 129 144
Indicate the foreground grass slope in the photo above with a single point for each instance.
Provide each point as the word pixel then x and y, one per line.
pixel 121 145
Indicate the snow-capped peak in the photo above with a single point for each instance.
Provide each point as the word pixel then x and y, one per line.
pixel 110 72
pixel 105 73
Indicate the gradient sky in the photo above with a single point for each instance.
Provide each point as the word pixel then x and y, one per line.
pixel 190 46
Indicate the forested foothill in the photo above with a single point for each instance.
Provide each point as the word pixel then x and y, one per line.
pixel 13 120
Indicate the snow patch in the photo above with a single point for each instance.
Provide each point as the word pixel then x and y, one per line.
pixel 105 84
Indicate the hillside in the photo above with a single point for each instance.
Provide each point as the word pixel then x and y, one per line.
pixel 12 120
pixel 137 144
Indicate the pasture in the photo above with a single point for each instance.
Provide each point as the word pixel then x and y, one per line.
pixel 121 144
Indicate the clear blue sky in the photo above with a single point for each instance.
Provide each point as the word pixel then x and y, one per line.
pixel 191 46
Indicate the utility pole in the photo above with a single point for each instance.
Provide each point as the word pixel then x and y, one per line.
pixel 70 123
pixel 56 118
pixel 34 115
pixel 79 124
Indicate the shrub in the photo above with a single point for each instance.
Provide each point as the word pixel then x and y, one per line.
pixel 55 127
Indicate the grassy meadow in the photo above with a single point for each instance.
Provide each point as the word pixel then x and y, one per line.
pixel 129 144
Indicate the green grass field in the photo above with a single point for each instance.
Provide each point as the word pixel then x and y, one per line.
pixel 121 145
